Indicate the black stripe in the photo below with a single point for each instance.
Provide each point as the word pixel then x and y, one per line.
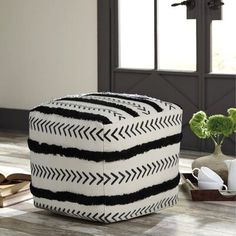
pixel 103 103
pixel 132 98
pixel 106 200
pixel 72 114
pixel 103 156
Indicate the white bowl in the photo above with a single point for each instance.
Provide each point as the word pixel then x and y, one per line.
pixel 211 185
pixel 207 175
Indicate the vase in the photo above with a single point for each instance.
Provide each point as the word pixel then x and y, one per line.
pixel 215 162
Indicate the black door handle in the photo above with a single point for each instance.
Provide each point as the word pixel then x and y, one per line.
pixel 215 4
pixel 189 3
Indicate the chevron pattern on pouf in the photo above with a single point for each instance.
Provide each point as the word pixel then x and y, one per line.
pixel 105 157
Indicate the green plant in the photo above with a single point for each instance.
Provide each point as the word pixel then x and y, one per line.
pixel 216 127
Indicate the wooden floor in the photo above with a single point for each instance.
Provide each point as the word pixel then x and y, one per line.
pixel 186 218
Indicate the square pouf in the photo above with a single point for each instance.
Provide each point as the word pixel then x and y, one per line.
pixel 105 156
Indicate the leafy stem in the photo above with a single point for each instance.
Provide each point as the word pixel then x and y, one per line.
pixel 217 127
pixel 213 140
pixel 222 140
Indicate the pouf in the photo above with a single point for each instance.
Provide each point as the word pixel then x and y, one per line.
pixel 105 156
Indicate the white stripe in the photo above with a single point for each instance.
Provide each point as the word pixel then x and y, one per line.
pixel 125 102
pixel 142 203
pixel 97 167
pixel 139 139
pixel 159 102
pixel 100 209
pixel 67 141
pixel 98 109
pixel 105 113
pixel 70 164
pixel 99 145
pixel 142 159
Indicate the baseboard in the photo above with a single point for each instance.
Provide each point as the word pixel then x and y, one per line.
pixel 14 120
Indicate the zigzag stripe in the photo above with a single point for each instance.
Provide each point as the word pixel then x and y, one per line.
pixel 89 108
pixel 61 128
pixel 111 216
pixel 89 178
pixel 116 134
pixel 142 127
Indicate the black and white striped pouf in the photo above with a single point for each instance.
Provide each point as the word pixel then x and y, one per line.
pixel 105 156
